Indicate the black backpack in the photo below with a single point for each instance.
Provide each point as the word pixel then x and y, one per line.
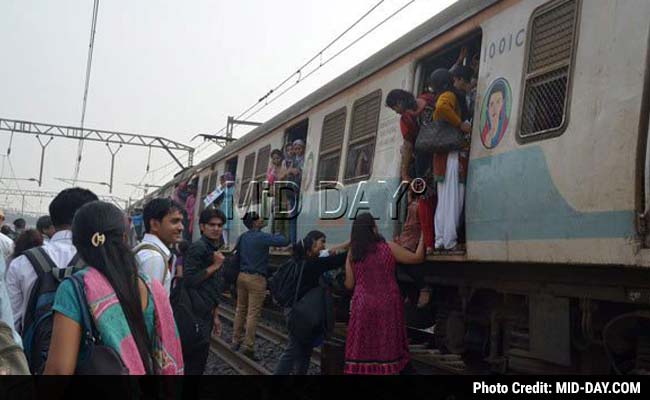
pixel 37 326
pixel 284 284
pixel 229 272
pixel 187 306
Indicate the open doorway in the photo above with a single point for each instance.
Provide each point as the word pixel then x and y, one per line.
pixel 295 135
pixel 231 166
pixel 441 209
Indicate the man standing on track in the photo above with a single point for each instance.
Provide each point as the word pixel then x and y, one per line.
pixel 251 284
pixel 202 260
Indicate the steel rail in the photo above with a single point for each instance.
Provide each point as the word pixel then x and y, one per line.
pixel 268 333
pixel 237 361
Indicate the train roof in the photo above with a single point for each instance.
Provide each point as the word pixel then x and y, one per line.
pixel 425 32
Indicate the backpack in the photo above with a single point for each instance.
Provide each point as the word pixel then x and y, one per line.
pixel 153 247
pixel 229 272
pixel 183 301
pixel 38 319
pixel 285 282
pixel 11 354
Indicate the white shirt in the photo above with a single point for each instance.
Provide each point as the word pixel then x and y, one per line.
pixel 21 276
pixel 6 247
pixel 152 264
pixel 6 314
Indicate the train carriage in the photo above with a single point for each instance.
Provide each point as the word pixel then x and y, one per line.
pixel 554 277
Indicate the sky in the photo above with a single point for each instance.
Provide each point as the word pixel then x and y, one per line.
pixel 164 68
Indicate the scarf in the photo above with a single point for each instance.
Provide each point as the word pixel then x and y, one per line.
pixel 112 324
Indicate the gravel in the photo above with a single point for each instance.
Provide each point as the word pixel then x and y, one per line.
pixel 269 353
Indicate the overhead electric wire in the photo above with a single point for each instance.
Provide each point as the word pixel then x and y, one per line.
pixel 331 58
pixel 89 63
pixel 299 71
pixel 13 175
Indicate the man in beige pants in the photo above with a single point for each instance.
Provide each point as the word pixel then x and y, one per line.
pixel 251 284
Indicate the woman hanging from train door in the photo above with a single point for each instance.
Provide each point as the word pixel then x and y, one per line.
pixel 448 172
pixel 410 111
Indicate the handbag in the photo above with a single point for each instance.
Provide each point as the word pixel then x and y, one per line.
pixel 308 314
pixel 101 360
pixel 438 137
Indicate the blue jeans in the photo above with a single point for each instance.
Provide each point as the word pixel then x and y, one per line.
pixel 296 358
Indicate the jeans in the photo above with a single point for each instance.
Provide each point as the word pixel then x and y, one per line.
pixel 296 358
pixel 251 291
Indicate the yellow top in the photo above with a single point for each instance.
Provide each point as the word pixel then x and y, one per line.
pixel 448 109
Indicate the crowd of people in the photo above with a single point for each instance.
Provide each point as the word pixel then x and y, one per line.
pixel 81 294
pixel 437 211
pixel 87 289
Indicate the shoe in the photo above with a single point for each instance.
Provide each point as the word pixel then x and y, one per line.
pixel 250 354
pixel 235 346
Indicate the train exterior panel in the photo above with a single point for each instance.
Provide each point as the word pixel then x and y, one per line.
pixel 570 198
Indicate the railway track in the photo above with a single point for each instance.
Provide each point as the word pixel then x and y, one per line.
pixel 240 363
pixel 267 332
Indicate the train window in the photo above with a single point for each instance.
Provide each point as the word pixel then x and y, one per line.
pixel 263 156
pixel 249 164
pixel 214 178
pixel 361 143
pixel 204 186
pixel 331 143
pixel 551 44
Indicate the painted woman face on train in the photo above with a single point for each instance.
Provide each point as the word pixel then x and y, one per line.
pixel 494 108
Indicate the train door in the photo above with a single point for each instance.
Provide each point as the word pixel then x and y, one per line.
pixel 462 59
pixel 643 159
pixel 296 135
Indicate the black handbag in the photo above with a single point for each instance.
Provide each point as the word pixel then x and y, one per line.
pixel 307 318
pixel 438 137
pixel 101 360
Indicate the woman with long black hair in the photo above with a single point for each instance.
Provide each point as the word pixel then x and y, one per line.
pixel 131 313
pixel 376 342
pixel 317 260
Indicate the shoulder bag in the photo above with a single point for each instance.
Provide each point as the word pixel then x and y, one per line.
pixel 438 137
pixel 101 360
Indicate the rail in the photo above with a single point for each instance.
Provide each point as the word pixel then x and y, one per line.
pixel 268 333
pixel 237 361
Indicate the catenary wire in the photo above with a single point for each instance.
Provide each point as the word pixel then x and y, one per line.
pixel 89 63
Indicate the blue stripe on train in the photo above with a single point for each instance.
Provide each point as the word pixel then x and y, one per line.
pixel 511 196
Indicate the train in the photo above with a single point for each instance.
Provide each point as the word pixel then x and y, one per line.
pixel 555 274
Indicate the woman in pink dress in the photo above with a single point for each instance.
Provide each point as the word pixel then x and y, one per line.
pixel 376 342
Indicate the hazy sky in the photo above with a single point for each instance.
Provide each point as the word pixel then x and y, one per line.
pixel 165 68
